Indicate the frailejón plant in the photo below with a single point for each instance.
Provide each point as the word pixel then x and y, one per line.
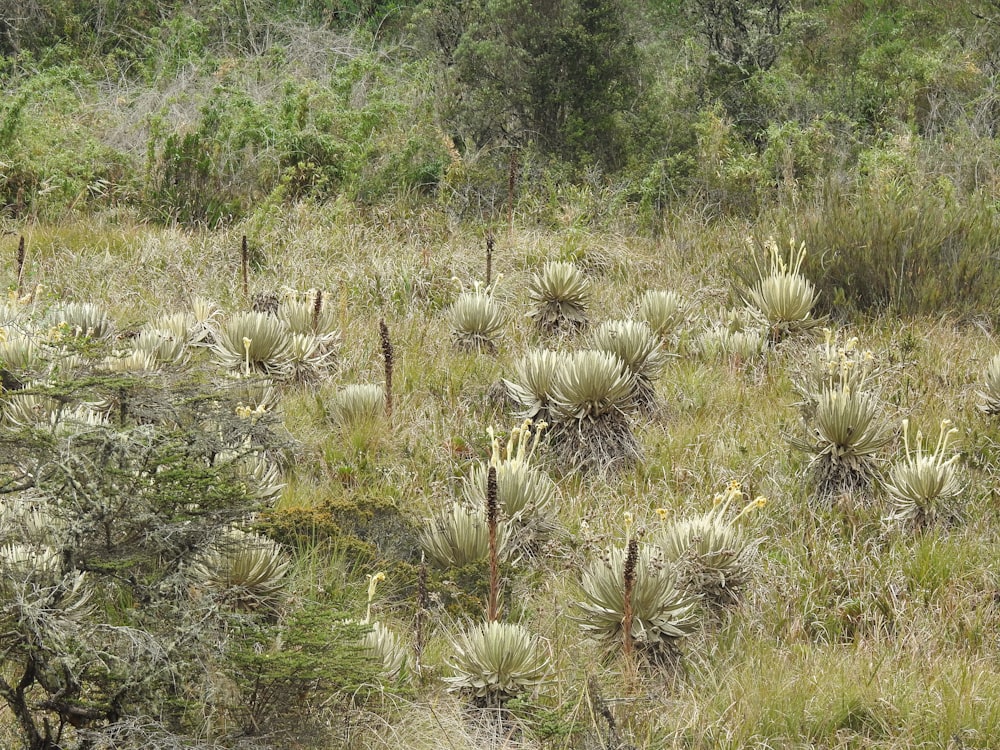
pixel 782 296
pixel 923 483
pixel 496 661
pixel 639 349
pixel 663 612
pixel 559 294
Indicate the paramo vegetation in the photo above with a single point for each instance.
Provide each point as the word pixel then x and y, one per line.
pixel 499 373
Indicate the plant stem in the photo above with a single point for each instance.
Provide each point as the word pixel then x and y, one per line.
pixel 388 358
pixel 492 516
pixel 245 266
pixel 631 560
pixel 20 265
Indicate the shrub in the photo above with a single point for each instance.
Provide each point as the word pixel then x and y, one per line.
pixel 921 484
pixel 713 556
pixel 559 295
pixel 909 252
pixel 476 321
pixel 592 395
pixel 662 611
pixel 497 661
pixel 639 349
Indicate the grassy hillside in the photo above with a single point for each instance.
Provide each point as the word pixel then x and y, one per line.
pixel 326 168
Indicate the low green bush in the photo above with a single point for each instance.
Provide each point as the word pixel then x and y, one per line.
pixel 908 253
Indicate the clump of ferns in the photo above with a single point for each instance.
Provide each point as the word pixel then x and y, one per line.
pixel 782 297
pixel 476 319
pixel 559 295
pixel 660 609
pixel 640 350
pixel 712 554
pixel 532 384
pixel 991 387
pixel 254 343
pixel 496 661
pixel 460 537
pixel 245 571
pixel 525 493
pixel 923 484
pixel 593 396
pixel 845 433
pixel 664 311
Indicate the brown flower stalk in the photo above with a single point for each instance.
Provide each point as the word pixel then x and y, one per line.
pixel 387 357
pixel 245 266
pixel 20 265
pixel 631 560
pixel 490 242
pixel 492 517
pixel 317 309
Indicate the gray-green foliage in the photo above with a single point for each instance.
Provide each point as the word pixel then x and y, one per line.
pixel 593 394
pixel 782 296
pixel 496 661
pixel 923 485
pixel 639 349
pixel 663 311
pixel 476 321
pixel 254 343
pixel 243 570
pixel 460 536
pixel 559 295
pixel 713 555
pixel 358 404
pixel 845 435
pixel 663 612
pixel 991 387
pixel 533 380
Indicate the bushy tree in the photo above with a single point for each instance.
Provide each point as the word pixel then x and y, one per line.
pixel 561 74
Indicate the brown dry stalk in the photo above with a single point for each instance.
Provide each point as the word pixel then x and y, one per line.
pixel 490 242
pixel 387 357
pixel 492 517
pixel 245 266
pixel 20 265
pixel 317 309
pixel 631 560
